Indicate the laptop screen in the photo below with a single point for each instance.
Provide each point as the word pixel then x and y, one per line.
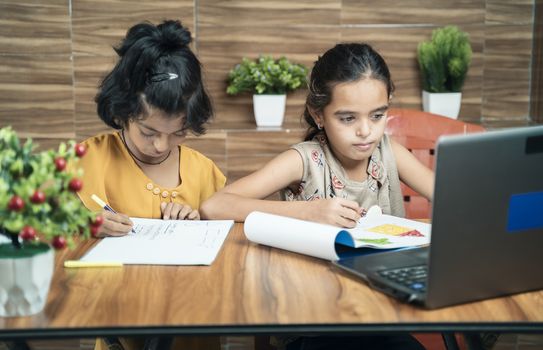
pixel 487 215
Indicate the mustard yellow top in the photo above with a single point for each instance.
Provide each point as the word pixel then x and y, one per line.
pixel 112 174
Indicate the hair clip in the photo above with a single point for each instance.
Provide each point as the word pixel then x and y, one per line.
pixel 158 77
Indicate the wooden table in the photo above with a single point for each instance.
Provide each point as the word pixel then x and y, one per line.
pixel 249 289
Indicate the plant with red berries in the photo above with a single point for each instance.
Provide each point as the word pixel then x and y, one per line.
pixel 38 196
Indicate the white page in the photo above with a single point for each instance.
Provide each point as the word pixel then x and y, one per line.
pixel 299 236
pixel 374 218
pixel 164 242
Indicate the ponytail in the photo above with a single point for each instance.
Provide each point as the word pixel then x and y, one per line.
pixel 155 67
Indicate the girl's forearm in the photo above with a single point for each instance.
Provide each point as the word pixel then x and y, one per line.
pixel 227 206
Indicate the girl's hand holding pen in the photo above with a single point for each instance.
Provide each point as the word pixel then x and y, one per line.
pixel 115 224
pixel 336 211
pixel 176 211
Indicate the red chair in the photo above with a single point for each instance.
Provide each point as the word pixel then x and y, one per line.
pixel 418 131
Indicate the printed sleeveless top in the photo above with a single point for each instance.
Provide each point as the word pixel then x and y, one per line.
pixel 324 177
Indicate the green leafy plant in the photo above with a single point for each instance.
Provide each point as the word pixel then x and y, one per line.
pixel 266 76
pixel 444 60
pixel 38 200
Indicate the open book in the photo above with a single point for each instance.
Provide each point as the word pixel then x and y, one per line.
pixel 164 242
pixel 375 230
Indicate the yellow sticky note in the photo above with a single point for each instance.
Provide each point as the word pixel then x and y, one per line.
pixel 390 229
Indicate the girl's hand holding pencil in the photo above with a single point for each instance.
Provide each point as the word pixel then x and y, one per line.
pixel 336 211
pixel 115 224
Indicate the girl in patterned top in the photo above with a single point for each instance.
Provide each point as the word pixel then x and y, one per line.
pixel 346 163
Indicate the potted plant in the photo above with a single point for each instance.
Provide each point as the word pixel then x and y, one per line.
pixel 269 80
pixel 444 63
pixel 38 204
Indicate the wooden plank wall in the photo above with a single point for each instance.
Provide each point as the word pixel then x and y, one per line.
pixel 536 103
pixel 53 54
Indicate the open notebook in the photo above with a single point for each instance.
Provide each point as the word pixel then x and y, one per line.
pixel 375 230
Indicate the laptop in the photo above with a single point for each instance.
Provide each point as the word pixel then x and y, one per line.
pixel 487 225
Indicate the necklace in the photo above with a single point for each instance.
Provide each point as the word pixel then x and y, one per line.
pixel 136 158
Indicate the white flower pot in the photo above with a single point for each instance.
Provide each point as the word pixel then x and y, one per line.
pixel 442 103
pixel 25 282
pixel 269 109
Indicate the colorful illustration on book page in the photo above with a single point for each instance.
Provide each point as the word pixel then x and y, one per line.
pixel 376 241
pixel 396 230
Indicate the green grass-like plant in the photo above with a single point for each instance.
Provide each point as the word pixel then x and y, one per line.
pixel 266 76
pixel 444 60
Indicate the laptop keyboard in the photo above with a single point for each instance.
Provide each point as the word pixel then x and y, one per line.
pixel 413 277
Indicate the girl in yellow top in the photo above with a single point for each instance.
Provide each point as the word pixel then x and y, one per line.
pixel 152 97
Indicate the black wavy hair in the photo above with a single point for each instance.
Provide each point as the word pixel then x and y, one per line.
pixel 150 57
pixel 342 63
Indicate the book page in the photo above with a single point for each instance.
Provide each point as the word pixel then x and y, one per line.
pixel 377 230
pixel 291 234
pixel 164 242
